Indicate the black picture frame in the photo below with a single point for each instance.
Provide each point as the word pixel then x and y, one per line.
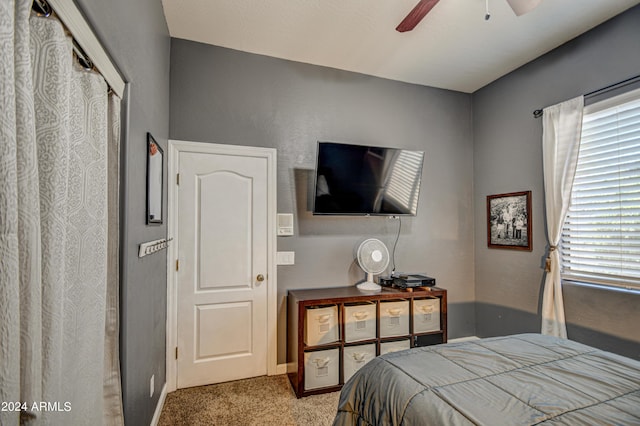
pixel 509 221
pixel 155 182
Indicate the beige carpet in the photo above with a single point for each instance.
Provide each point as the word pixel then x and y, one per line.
pixel 257 401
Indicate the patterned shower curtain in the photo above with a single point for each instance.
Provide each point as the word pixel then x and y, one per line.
pixel 59 144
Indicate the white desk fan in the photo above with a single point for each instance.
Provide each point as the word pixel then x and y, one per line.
pixel 373 258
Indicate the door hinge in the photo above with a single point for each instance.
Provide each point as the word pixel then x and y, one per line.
pixel 177 178
pixel 177 265
pixel 176 352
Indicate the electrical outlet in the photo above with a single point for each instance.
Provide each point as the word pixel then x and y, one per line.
pixel 152 385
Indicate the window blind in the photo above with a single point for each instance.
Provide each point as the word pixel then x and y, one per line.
pixel 601 234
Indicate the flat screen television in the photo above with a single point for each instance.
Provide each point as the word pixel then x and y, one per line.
pixel 366 180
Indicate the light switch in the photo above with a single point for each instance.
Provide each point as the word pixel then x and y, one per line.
pixel 286 257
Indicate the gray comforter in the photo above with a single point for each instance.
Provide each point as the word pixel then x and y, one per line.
pixel 515 380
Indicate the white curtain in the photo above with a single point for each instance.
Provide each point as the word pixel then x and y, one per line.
pixel 19 219
pixel 58 294
pixel 562 125
pixel 113 411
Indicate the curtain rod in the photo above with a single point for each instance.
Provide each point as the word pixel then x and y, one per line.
pixel 538 113
pixel 86 47
pixel 43 9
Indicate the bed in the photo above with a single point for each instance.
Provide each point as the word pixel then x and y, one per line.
pixel 523 379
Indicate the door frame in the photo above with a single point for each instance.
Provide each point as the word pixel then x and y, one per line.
pixel 270 154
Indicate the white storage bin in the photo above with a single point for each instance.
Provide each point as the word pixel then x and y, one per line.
pixel 321 369
pixel 321 325
pixel 426 315
pixel 394 318
pixel 355 357
pixel 400 345
pixel 359 322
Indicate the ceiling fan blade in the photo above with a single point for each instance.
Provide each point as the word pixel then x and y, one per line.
pixel 520 7
pixel 415 16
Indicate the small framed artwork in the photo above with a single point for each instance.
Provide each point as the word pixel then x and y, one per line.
pixel 509 221
pixel 155 181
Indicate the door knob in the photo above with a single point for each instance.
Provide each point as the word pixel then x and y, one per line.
pixel 260 278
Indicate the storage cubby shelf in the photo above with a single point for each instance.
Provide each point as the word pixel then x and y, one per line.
pixel 318 315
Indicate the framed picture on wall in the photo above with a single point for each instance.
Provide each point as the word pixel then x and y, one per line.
pixel 155 181
pixel 509 221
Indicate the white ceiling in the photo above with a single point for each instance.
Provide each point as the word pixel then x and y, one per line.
pixel 452 48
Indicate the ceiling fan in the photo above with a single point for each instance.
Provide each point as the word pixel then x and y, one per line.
pixel 520 7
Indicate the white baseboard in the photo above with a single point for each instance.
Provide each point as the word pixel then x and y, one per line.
pixel 281 369
pixel 156 414
pixel 463 339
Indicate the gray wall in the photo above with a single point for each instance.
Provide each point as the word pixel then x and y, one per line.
pixel 135 34
pixel 224 96
pixel 508 158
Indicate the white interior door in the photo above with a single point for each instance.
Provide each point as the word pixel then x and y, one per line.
pixel 222 277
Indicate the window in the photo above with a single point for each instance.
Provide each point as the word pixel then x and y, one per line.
pixel 601 235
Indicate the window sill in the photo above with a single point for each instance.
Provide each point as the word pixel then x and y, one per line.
pixel 611 287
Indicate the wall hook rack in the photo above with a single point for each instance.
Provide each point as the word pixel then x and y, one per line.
pixel 153 246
